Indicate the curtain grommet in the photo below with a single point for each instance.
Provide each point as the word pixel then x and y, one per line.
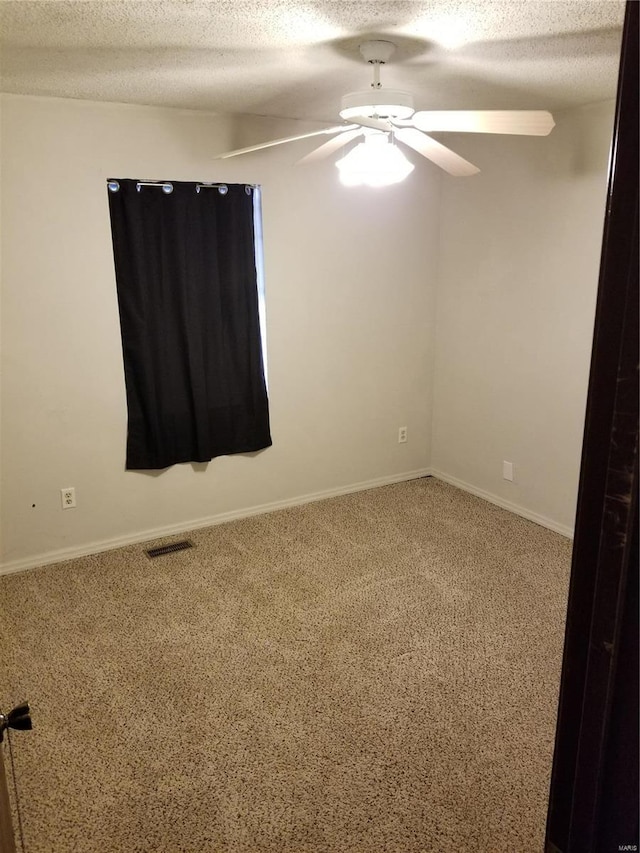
pixel 114 186
pixel 223 189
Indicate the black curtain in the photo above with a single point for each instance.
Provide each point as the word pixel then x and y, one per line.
pixel 188 300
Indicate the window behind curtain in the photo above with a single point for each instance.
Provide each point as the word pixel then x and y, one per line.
pixel 186 275
pixel 262 308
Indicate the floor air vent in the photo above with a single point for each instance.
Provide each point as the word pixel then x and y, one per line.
pixel 169 549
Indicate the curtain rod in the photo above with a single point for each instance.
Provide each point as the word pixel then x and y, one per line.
pixel 167 186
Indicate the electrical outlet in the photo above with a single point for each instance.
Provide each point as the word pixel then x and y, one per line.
pixel 507 471
pixel 402 435
pixel 68 497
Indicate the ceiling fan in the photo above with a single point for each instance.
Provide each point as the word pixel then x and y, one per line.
pixel 384 116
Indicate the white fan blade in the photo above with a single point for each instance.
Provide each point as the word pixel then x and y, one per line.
pixel 373 123
pixel 250 148
pixel 329 147
pixel 525 122
pixel 442 156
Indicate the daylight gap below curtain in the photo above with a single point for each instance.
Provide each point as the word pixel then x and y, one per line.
pixel 187 293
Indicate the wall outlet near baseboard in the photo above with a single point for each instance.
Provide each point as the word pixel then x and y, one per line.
pixel 507 471
pixel 402 435
pixel 68 497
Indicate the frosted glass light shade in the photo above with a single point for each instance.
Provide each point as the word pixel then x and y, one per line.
pixel 376 162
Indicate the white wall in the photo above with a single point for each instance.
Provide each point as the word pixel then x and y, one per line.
pixel 350 279
pixel 351 301
pixel 519 259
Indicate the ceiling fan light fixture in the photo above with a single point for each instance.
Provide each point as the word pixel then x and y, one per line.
pixel 378 103
pixel 376 162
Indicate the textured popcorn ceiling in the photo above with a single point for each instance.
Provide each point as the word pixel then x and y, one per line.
pixel 295 59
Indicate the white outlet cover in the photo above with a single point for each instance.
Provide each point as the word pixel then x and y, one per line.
pixel 507 471
pixel 68 497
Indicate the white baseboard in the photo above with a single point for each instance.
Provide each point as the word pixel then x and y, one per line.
pixel 542 520
pixel 86 549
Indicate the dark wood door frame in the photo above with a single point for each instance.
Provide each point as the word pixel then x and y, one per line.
pixel 593 803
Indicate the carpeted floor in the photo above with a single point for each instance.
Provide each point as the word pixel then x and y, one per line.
pixel 376 673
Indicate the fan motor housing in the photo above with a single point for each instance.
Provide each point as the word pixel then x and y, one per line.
pixel 378 103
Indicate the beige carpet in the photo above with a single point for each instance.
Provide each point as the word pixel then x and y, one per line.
pixel 377 672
